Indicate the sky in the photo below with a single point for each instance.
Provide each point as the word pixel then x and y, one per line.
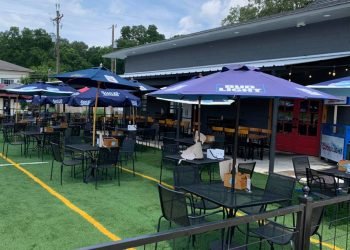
pixel 90 21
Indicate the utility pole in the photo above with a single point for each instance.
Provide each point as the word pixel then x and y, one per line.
pixel 113 61
pixel 57 20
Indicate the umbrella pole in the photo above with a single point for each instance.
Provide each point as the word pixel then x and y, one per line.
pixel 133 115
pixel 199 118
pixel 273 135
pixel 235 141
pixel 94 118
pixel 178 121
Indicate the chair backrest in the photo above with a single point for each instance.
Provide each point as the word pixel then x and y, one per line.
pixel 186 175
pixel 128 145
pixel 75 131
pixel 246 168
pixel 169 149
pixel 173 205
pixel 32 128
pixel 107 156
pixel 300 164
pixel 56 152
pixel 316 218
pixel 280 185
pixel 319 183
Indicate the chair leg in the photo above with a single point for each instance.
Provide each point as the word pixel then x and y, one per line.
pixel 133 166
pixel 158 228
pixel 7 149
pixel 95 173
pixel 161 171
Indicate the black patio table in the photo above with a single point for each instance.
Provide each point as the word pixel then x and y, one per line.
pixel 26 136
pixel 85 149
pixel 233 199
pixel 336 173
pixel 200 163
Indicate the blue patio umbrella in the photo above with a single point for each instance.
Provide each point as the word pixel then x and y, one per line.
pixel 96 76
pixel 240 81
pixel 144 87
pixel 338 86
pixel 99 77
pixel 41 88
pixel 106 97
pixel 41 100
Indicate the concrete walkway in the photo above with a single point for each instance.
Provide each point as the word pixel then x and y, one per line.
pixel 284 165
pixel 283 162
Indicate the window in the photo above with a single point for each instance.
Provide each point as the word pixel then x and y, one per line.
pixel 8 81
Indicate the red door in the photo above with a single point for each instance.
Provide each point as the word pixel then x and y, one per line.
pixel 298 126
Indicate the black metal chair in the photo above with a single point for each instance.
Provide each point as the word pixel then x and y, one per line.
pixel 246 168
pixel 45 141
pixel 167 149
pixel 300 164
pixel 58 156
pixel 190 175
pixel 107 158
pixel 174 206
pixel 276 184
pixel 127 152
pixel 11 138
pixel 321 184
pixel 279 234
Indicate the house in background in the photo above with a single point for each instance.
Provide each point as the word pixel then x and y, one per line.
pixel 306 46
pixel 10 73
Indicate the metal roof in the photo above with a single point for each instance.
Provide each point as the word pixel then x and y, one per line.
pixel 12 67
pixel 319 11
pixel 259 63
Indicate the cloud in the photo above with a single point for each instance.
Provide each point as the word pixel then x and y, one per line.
pixel 211 9
pixel 187 25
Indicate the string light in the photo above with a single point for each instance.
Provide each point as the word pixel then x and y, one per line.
pixel 334 74
pixel 310 76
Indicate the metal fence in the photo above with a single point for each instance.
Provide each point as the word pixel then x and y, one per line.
pixel 299 222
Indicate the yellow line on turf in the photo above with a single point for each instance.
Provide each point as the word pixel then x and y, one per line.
pixel 314 241
pixel 65 201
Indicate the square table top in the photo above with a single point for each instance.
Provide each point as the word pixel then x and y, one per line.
pixel 218 194
pixel 335 172
pixel 85 147
pixel 205 160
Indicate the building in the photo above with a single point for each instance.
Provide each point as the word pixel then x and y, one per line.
pixel 10 73
pixel 307 46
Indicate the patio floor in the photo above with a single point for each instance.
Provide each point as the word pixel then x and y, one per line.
pixel 41 214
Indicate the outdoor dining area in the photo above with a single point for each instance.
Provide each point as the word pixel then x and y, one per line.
pixel 166 183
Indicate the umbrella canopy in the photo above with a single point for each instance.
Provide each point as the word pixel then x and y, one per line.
pixel 338 87
pixel 144 87
pixel 41 88
pixel 91 77
pixel 40 100
pixel 106 97
pixel 239 81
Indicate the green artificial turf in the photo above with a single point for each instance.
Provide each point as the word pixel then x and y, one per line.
pixel 31 218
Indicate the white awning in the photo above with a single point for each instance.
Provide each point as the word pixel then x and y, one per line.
pixel 258 63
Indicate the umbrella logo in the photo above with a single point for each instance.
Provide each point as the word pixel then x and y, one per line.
pixel 57 101
pixel 85 102
pixel 107 93
pixel 111 79
pixel 238 88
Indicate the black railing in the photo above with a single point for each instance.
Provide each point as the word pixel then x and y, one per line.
pixel 304 228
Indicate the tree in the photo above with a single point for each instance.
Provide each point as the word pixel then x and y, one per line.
pixel 138 35
pixel 260 8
